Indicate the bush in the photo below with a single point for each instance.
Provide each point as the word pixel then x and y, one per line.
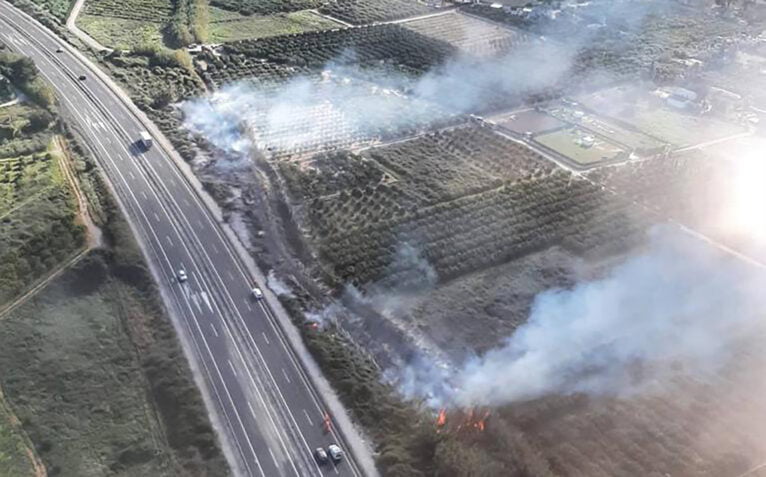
pixel 23 74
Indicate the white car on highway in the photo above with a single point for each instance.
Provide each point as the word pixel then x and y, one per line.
pixel 336 453
pixel 321 455
pixel 257 293
pixel 182 275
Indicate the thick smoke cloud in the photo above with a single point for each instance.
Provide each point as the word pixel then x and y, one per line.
pixel 218 118
pixel 680 305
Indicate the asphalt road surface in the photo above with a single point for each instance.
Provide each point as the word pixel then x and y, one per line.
pixel 269 411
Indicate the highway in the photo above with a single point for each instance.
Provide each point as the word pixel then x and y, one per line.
pixel 268 411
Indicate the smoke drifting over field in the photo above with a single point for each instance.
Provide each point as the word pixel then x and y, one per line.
pixel 343 106
pixel 350 105
pixel 680 305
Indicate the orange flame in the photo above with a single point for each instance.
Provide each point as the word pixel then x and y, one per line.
pixel 471 419
pixel 442 419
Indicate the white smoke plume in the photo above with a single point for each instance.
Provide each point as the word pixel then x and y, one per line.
pixel 218 119
pixel 679 305
pixel 344 107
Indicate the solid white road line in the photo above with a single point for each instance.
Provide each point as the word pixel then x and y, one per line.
pixel 206 299
pixel 273 458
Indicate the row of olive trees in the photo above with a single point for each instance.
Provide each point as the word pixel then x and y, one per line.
pixel 189 23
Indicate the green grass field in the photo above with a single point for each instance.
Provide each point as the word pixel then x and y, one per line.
pixel 647 112
pixel 228 26
pixel 564 142
pixel 71 375
pixel 126 24
pixel 121 33
pixel 631 139
pixel 682 129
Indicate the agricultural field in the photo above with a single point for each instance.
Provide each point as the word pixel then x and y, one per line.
pixel 145 24
pixel 363 12
pixel 529 120
pixel 37 207
pixel 581 146
pixel 155 79
pixel 682 129
pixel 468 34
pixel 227 26
pixel 275 58
pixel 265 7
pixel 126 25
pixel 330 118
pixel 487 228
pixel 447 165
pixel 640 108
pixel 381 183
pixel 121 33
pixel 158 11
pixel 495 200
pixel 673 186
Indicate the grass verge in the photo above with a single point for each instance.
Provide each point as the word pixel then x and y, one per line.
pixel 15 455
